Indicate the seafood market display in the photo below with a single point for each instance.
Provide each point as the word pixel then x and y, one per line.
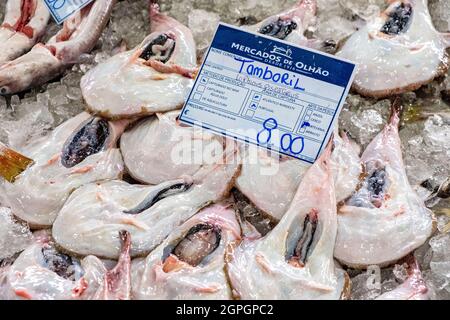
pixel 106 195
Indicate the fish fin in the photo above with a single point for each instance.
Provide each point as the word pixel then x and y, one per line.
pixel 117 282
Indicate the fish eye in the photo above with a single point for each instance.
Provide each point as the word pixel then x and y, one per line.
pixel 88 140
pixel 399 19
pixel 4 90
pixel 160 48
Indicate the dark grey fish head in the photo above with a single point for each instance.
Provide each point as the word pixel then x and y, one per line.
pixel 398 19
pixel 196 245
pixel 63 265
pixel 158 47
pixel 90 138
pixel 277 27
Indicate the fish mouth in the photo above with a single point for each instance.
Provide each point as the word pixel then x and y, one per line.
pixel 277 27
pixel 90 138
pixel 159 48
pixel 300 242
pixel 196 246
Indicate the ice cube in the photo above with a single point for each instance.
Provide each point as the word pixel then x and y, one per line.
pixel 440 13
pixel 366 285
pixel 400 272
pixel 129 22
pixel 14 236
pixel 363 8
pixel 440 245
pixel 363 119
pixel 203 25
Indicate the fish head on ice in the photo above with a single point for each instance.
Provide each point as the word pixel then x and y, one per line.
pixel 291 24
pixel 191 262
pixel 384 219
pixel 295 259
pixel 42 272
pixel 138 79
pixel 90 219
pixel 397 51
pixel 79 151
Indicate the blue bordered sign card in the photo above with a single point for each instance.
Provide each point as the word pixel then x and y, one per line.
pixel 269 92
pixel 63 9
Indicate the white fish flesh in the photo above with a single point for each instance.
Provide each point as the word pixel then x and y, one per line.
pixel 291 24
pixel 270 182
pixel 160 148
pixel 295 259
pixel 41 272
pixel 46 61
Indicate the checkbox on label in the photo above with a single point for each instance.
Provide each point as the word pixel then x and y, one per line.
pixel 257 96
pixel 197 96
pixel 204 80
pixel 254 105
pixel 250 113
pixel 201 88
